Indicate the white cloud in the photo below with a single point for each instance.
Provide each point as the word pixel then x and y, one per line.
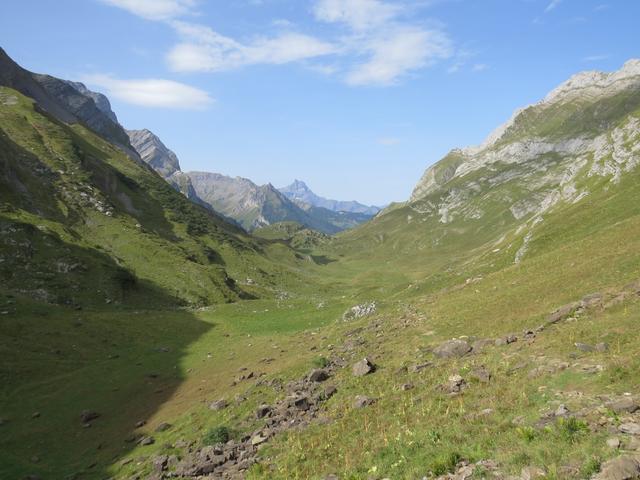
pixel 358 14
pixel 379 45
pixel 152 92
pixel 154 9
pixel 396 52
pixel 552 5
pixel 479 67
pixel 596 58
pixel 205 50
pixel 389 141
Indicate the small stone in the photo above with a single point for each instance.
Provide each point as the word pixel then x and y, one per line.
pixel 141 423
pixel 88 415
pixel 623 405
pixel 406 387
pixel 262 411
pixel 613 443
pixel 219 405
pixel 318 375
pixel 530 473
pixel 561 411
pixel 621 468
pixel 583 347
pixel 147 441
pixel 452 348
pixel 630 428
pixel 329 391
pixel 163 427
pixel 35 415
pixel 362 401
pixel 481 374
pixel 419 367
pixel 362 368
pixel 601 347
pixel 259 439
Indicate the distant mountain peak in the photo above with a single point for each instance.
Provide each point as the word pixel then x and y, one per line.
pixel 299 191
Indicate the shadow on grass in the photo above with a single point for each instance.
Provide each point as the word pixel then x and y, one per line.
pixel 121 360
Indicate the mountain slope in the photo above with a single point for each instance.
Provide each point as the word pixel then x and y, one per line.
pixel 251 205
pixel 84 223
pixel 486 207
pixel 299 192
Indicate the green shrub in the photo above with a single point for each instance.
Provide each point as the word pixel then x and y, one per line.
pixel 445 463
pixel 571 427
pixel 591 467
pixel 219 434
pixel 320 362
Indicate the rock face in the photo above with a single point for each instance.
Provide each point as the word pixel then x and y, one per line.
pixel 298 191
pixel 582 138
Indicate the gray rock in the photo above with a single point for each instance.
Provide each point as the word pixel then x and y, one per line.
pixel 262 411
pixel 613 443
pixel 482 374
pixel 259 438
pixel 452 349
pixel 363 367
pixel 362 401
pixel 88 415
pixel 530 473
pixel 561 411
pixel 419 367
pixel 602 347
pixel 219 405
pixel 630 428
pixel 622 468
pixel 318 375
pixel 623 405
pixel 147 441
pixel 406 387
pixel 583 347
pixel 163 427
pixel 563 312
pixel 329 391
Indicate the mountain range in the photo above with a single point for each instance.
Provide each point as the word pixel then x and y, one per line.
pixel 250 205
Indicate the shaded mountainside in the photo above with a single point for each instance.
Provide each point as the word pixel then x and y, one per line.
pixel 85 222
pixel 298 191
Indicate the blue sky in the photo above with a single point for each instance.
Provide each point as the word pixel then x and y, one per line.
pixel 356 97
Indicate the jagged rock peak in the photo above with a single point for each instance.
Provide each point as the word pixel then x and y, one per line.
pixel 154 152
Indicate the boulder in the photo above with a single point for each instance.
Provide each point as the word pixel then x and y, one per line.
pixel 147 441
pixel 318 375
pixel 452 348
pixel 622 468
pixel 363 367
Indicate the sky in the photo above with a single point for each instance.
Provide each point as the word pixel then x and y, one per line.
pixel 355 97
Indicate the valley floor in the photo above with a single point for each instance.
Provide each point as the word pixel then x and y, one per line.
pixel 521 393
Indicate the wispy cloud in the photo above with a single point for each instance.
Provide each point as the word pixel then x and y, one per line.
pixel 388 141
pixel 552 5
pixel 152 92
pixel 379 43
pixel 383 46
pixel 204 50
pixel 154 9
pixel 596 58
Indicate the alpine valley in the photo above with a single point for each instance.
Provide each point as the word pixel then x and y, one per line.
pixel 160 324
